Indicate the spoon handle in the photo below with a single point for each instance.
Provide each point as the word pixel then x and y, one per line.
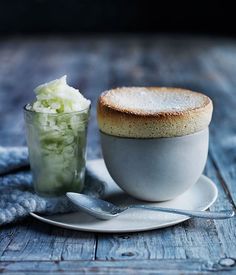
pixel 225 214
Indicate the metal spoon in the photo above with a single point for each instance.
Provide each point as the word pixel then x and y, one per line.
pixel 105 210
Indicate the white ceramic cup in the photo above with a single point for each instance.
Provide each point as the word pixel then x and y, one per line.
pixel 155 169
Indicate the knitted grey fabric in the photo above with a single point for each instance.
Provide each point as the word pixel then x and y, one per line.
pixel 17 198
pixel 12 158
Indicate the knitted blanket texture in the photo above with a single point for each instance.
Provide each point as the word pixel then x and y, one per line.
pixel 17 197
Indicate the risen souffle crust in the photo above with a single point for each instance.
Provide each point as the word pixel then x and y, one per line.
pixel 151 112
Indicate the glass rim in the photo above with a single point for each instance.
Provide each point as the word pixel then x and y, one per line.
pixel 55 114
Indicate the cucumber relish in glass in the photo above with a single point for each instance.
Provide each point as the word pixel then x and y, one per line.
pixel 56 126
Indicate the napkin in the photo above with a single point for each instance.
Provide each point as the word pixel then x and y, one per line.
pixel 17 197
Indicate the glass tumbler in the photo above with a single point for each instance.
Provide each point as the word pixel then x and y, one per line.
pixel 57 150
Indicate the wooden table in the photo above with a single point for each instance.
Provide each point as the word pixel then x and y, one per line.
pixel 94 64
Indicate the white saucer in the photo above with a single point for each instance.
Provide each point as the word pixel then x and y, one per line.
pixel 199 197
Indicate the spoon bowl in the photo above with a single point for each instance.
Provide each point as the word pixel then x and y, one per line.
pixel 96 207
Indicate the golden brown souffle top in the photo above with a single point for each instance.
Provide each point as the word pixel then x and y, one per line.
pixel 153 112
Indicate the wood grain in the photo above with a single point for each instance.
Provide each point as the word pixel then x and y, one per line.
pixel 118 267
pixel 34 241
pixel 95 64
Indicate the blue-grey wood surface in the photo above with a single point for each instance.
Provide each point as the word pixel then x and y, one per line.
pixel 95 64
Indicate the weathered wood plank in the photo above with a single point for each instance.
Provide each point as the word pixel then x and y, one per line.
pixel 33 240
pixel 118 267
pixel 226 229
pixel 6 235
pixel 222 66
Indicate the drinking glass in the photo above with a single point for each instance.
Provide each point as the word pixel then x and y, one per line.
pixel 57 150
